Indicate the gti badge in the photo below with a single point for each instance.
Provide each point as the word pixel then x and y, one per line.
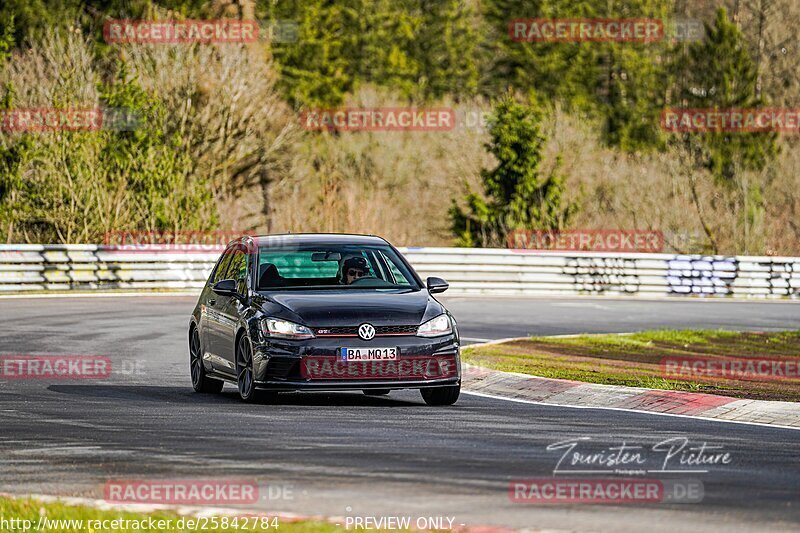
pixel 366 332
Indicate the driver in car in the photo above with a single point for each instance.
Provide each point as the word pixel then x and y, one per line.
pixel 352 269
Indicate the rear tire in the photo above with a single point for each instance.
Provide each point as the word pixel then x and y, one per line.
pixel 441 395
pixel 200 382
pixel 376 392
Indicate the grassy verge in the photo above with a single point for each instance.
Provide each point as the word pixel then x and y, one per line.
pixel 635 360
pixel 15 511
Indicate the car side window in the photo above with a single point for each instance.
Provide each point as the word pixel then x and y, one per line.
pixel 238 271
pixel 223 266
pixel 398 276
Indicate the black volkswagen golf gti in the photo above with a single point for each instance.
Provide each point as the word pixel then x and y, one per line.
pixel 322 312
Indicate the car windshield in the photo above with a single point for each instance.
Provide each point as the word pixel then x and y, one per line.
pixel 332 266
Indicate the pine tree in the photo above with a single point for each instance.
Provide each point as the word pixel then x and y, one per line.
pixel 381 52
pixel 515 196
pixel 342 44
pixel 446 48
pixel 552 70
pixel 620 83
pixel 718 73
pixel 636 79
pixel 315 70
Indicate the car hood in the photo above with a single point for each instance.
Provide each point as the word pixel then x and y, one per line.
pixel 351 307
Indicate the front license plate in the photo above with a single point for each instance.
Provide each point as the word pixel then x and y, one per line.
pixel 368 354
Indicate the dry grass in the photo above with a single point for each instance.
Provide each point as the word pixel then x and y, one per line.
pixel 395 184
pixel 235 125
pixel 401 185
pixel 654 191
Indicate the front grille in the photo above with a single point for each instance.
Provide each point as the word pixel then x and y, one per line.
pixel 337 332
pixel 352 331
pixel 280 367
pixel 396 330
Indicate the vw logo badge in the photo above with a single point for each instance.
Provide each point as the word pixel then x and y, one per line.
pixel 366 331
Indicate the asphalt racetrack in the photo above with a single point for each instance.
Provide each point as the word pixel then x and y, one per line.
pixel 345 454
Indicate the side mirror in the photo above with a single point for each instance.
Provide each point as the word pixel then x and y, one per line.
pixel 226 287
pixel 437 285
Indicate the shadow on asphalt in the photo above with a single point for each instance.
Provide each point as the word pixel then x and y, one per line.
pixel 185 395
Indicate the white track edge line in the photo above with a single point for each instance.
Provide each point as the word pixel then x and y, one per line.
pixel 694 417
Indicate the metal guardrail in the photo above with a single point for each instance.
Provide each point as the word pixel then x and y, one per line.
pixel 470 271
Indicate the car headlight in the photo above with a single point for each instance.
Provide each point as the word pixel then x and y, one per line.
pixel 283 329
pixel 435 327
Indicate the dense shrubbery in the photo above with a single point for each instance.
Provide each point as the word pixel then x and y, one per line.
pixel 221 146
pixel 211 127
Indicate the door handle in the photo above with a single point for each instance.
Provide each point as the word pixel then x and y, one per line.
pixel 211 301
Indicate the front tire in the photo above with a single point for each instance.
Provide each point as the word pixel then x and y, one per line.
pixel 245 377
pixel 200 382
pixel 441 395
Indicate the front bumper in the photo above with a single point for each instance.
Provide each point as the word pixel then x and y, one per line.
pixel 314 364
pixel 348 385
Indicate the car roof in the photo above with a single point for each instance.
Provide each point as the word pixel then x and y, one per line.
pixel 290 239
